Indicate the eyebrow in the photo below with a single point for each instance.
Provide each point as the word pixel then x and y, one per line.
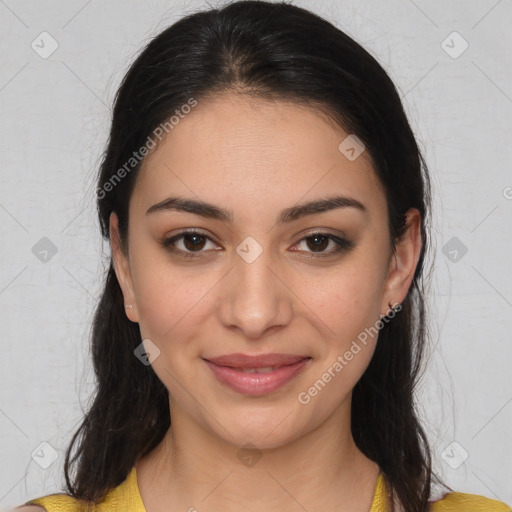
pixel 211 211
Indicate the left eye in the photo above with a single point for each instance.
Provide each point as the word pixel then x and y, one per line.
pixel 193 243
pixel 320 241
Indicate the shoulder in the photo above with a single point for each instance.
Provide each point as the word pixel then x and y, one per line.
pixel 462 502
pixel 123 498
pixel 52 503
pixel 28 508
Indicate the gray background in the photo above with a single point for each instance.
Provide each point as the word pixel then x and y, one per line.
pixel 54 123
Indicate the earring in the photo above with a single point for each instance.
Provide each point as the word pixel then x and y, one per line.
pixel 128 306
pixel 395 308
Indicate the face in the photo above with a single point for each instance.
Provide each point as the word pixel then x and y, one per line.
pixel 260 274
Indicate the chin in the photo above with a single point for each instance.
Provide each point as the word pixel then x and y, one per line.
pixel 268 429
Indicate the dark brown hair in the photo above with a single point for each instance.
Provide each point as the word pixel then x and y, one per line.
pixel 273 51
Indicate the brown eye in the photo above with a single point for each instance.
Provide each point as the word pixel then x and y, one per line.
pixel 192 244
pixel 319 242
pixel 193 241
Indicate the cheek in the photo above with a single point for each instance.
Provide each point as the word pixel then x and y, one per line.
pixel 347 299
pixel 348 302
pixel 161 295
pixel 171 301
pixel 348 305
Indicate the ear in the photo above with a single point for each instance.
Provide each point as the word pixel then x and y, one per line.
pixel 122 269
pixel 403 262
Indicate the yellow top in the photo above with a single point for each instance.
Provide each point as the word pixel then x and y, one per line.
pixel 126 498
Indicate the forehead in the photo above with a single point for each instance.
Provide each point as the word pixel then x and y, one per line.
pixel 246 151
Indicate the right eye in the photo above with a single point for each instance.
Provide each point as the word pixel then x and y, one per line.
pixel 192 243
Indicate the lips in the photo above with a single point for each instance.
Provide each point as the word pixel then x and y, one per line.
pixel 257 375
pixel 243 361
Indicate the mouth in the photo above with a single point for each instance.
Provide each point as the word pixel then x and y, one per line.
pixel 253 375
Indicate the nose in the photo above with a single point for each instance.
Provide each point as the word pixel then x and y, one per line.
pixel 255 297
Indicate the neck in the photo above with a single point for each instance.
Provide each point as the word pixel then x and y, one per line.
pixel 191 469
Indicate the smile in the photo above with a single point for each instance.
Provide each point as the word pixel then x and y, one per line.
pixel 257 380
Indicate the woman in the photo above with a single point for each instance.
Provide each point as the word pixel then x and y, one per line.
pixel 261 330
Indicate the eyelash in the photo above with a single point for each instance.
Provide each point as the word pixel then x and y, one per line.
pixel 342 244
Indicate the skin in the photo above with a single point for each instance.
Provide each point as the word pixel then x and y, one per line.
pixel 255 158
